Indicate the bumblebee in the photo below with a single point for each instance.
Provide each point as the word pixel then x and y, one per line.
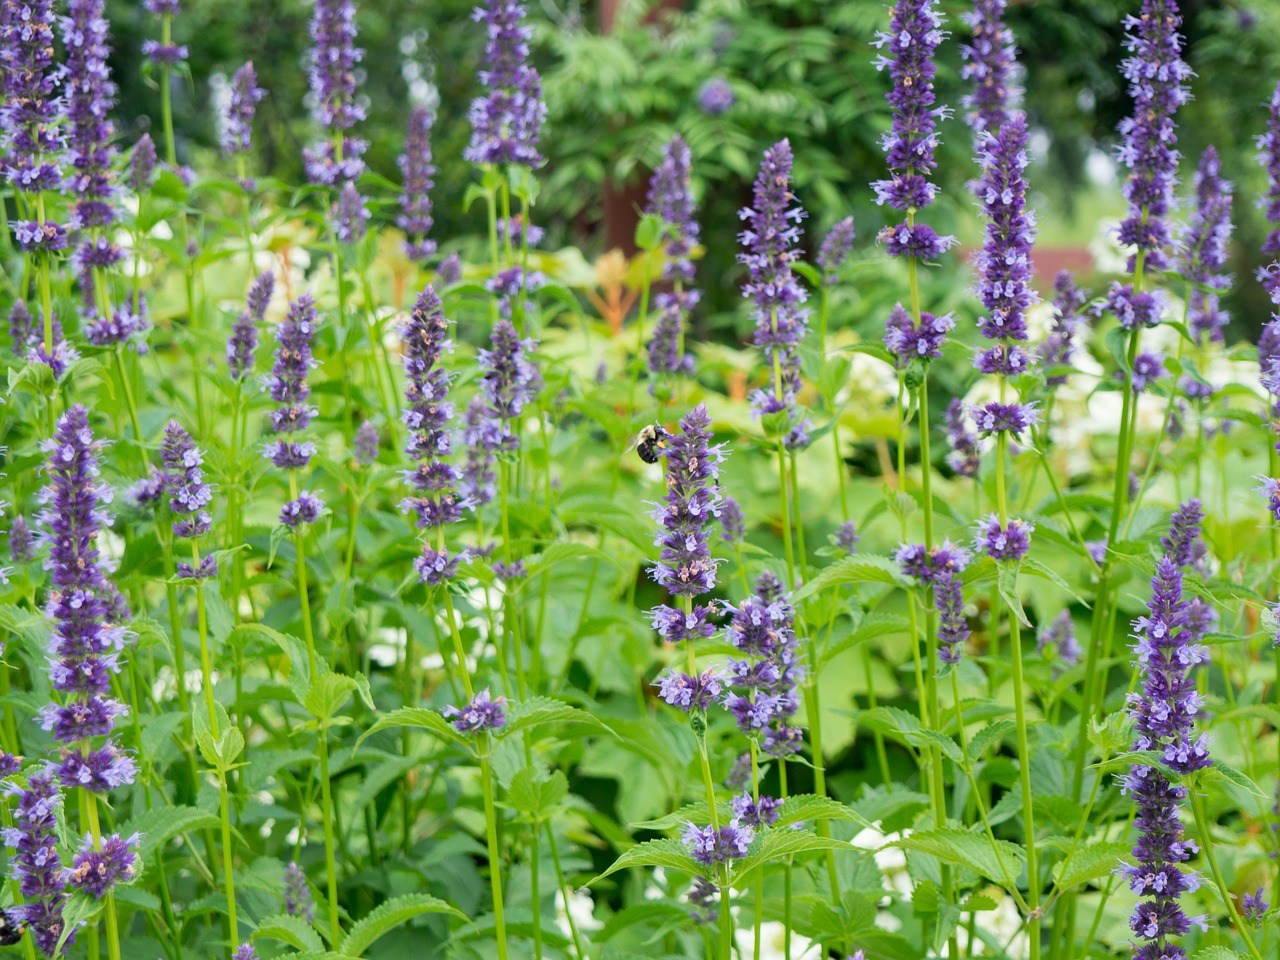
pixel 650 442
pixel 12 923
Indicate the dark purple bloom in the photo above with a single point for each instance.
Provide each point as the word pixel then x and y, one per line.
pixel 1203 249
pixel 712 847
pixel 684 517
pixel 1269 156
pixel 1271 490
pixel 287 384
pixel 333 60
pixel 22 328
pixel 666 348
pixel 21 547
pixel 1007 542
pixel 510 380
pixel 35 866
pixel 428 415
pixel 519 231
pixel 1253 906
pixel 731 521
pixel 1061 636
pixel 62 357
pixel 689 692
pixel 715 96
pixel 846 538
pixel 415 197
pixel 756 813
pixel 915 30
pixel 835 249
pixel 121 326
pixel 483 437
pixel 184 481
pixel 297 894
pixel 482 713
pixel 1148 367
pixel 245 951
pixel 671 198
pixel 35 236
pixel 142 164
pixel 1133 309
pixel 89 95
pixel 305 509
pixel 507 122
pixel 98 871
pixel 940 569
pixel 30 111
pixel 164 54
pixel 991 64
pixel 350 215
pixel 770 239
pixel 1059 346
pixel 9 764
pixel 740 774
pixel 963 441
pixel 97 252
pixel 243 343
pixel 676 625
pixel 1097 550
pixel 1011 418
pixel 1157 79
pixel 366 443
pixel 326 169
pixel 907 343
pixel 450 270
pixel 762 628
pixel 146 493
pixel 1003 265
pixel 915 240
pixel 703 897
pixel 237 125
pixel 507 572
pixel 1184 533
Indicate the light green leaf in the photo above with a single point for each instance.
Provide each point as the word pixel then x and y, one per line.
pixel 294 931
pixel 776 844
pixel 1007 583
pixel 808 806
pixel 161 824
pixel 1001 864
pixel 989 736
pixel 417 718
pixel 537 711
pixel 655 853
pixel 535 795
pixel 388 916
pixel 1089 863
pixel 863 568
pixel 328 694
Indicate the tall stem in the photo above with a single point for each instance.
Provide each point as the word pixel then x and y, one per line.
pixel 495 872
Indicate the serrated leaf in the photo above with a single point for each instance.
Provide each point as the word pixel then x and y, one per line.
pixel 1216 952
pixel 390 915
pixel 328 694
pixel 776 844
pixel 1007 583
pixel 988 736
pixel 972 850
pixel 1089 863
pixel 162 824
pixel 77 909
pixel 654 853
pixel 863 568
pixel 294 931
pixel 809 806
pixel 689 812
pixel 535 795
pixel 537 711
pixel 419 719
pixel 872 625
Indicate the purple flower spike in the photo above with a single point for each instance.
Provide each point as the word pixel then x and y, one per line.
pixel 1269 157
pixel 907 342
pixel 1059 346
pixel 35 866
pixel 297 894
pixel 991 64
pixel 1061 636
pixel 1014 419
pixel 671 198
pixel 334 56
pixel 142 164
pixel 287 384
pixel 965 454
pixel 510 383
pixel 482 713
pixel 90 96
pixel 29 113
pixel 366 444
pixel 237 126
pixel 715 97
pixel 507 122
pixel 1253 906
pixel 243 343
pixel 246 951
pixel 756 814
pixel 684 517
pixel 703 897
pixel 350 215
pixel 762 629
pixel 1179 544
pixel 835 250
pixel 184 482
pixel 1157 78
pixel 306 509
pixel 450 270
pixel 688 692
pixel 98 871
pixel 21 546
pixel 712 847
pixel 1010 542
pixel 732 521
pixel 1270 489
pixel 1148 367
pixel 666 348
pixel 1203 250
pixel 846 538
pixel 940 569
pixel 415 199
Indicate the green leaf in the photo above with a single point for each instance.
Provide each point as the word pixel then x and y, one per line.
pixel 390 915
pixel 537 711
pixel 989 736
pixel 1089 863
pixel 863 568
pixel 690 811
pixel 535 795
pixel 294 931
pixel 672 854
pixel 1217 953
pixel 161 824
pixel 419 719
pixel 776 844
pixel 972 850
pixel 872 625
pixel 1007 582
pixel 77 909
pixel 1224 771
pixel 328 694
pixel 809 806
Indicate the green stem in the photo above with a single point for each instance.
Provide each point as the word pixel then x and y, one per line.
pixel 109 910
pixel 227 866
pixel 327 811
pixel 1206 844
pixel 495 873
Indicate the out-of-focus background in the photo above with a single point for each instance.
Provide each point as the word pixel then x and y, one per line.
pixel 732 76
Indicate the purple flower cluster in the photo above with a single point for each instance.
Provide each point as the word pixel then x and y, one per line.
pixel 1060 635
pixel 770 241
pixel 712 847
pixel 242 346
pixel 762 628
pixel 507 122
pixel 35 866
pixel 189 494
pixel 415 198
pixel 1203 249
pixel 908 342
pixel 940 569
pixel 732 522
pixel 21 546
pixel 297 894
pixel 1179 544
pixel 288 386
pixel 1269 156
pixel 1157 78
pixel 1059 346
pixel 482 713
pixel 756 813
pixel 991 64
pixel 1011 418
pixel 334 56
pixel 509 383
pixel 89 95
pixel 123 325
pixel 965 453
pixel 1009 541
pixel 366 443
pixel 87 640
pixel 237 125
pixel 1003 265
pixel 1163 714
pixel 30 111
pixel 428 414
pixel 671 198
pixel 1148 367
pixel 684 517
pixel 166 55
pixel 142 164
pixel 715 97
pixel 835 249
pixel 915 30
pixel 846 538
pixel 97 870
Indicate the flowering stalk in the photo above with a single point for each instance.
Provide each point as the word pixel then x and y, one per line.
pixel 671 199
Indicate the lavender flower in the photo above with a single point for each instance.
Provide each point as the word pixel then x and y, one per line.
pixel 1203 250
pixel 684 518
pixel 940 569
pixel 482 713
pixel 189 495
pixel 510 381
pixel 1269 156
pixel 1148 367
pixel 123 325
pixel 991 63
pixel 415 199
pixel 519 231
pixel 965 454
pixel 142 164
pixel 167 55
pixel 671 198
pixel 915 30
pixel 351 216
pixel 22 328
pixel 715 96
pixel 86 645
pixel 483 437
pixel 305 509
pixel 450 270
pixel 333 61
pixel 756 813
pixel 732 521
pixel 703 897
pixel 237 125
pixel 1157 76
pixel 366 443
pixel 507 122
pixel 1059 346
pixel 35 866
pixel 287 384
pixel 29 112
pixel 666 348
pixel 1184 531
pixel 846 538
pixel 1060 636
pixel 98 871
pixel 1004 265
pixel 1010 541
pixel 297 894
pixel 688 692
pixel 711 847
pixel 243 343
pixel 835 249
pixel 1011 418
pixel 908 342
pixel 21 547
pixel 245 951
pixel 89 95
pixel 1253 906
